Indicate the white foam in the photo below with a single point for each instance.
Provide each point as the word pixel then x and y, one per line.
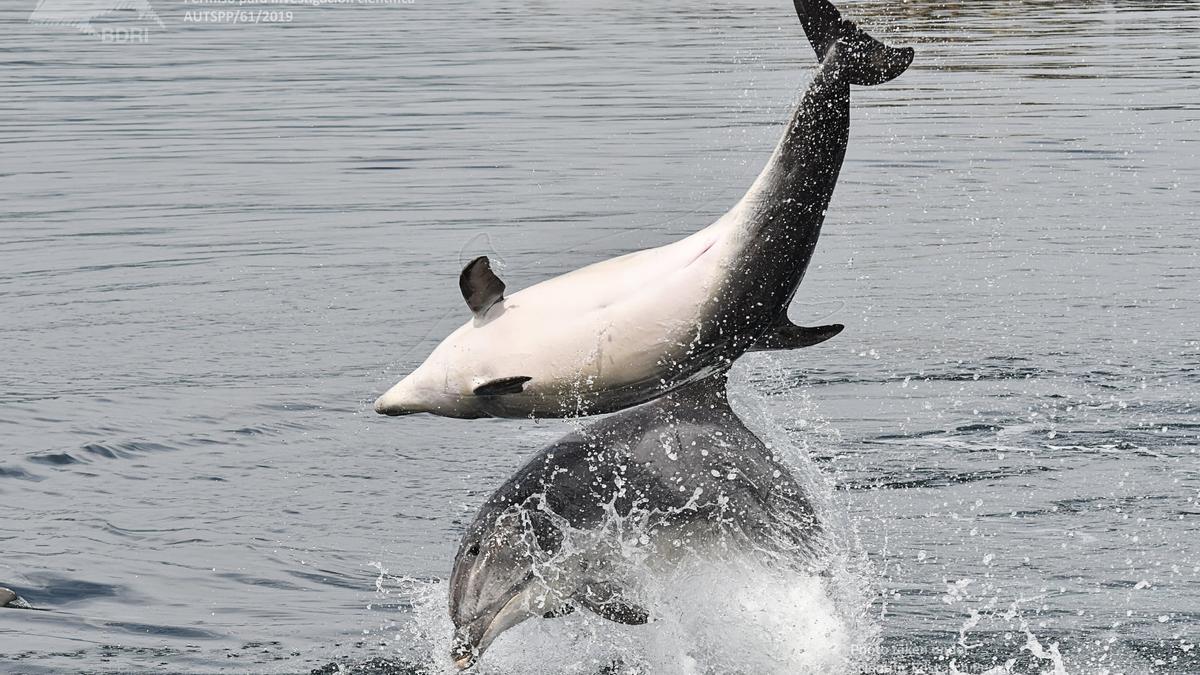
pixel 730 617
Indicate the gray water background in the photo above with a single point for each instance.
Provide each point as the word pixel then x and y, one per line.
pixel 218 246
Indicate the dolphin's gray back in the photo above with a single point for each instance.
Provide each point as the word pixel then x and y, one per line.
pixel 685 462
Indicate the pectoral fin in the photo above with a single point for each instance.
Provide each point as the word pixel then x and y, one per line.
pixel 786 335
pixel 503 385
pixel 480 286
pixel 607 600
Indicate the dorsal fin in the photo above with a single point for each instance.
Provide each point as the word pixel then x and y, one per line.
pixel 480 286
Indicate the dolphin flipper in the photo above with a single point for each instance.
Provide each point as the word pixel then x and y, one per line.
pixel 607 600
pixel 503 385
pixel 786 335
pixel 866 61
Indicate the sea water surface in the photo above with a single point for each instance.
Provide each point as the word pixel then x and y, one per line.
pixel 219 242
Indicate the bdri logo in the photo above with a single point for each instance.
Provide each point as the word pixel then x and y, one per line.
pixel 80 14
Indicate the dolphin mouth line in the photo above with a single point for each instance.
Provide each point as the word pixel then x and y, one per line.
pixel 394 412
pixel 468 652
pixel 391 410
pixel 700 255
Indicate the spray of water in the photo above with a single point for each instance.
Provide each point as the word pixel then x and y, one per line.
pixel 731 605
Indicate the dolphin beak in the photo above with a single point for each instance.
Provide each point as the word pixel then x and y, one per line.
pixel 472 639
pixel 466 648
pixel 386 406
pixel 399 400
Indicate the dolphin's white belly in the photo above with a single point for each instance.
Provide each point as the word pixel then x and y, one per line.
pixel 613 323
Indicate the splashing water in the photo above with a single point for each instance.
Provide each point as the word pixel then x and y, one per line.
pixel 728 617
pixel 748 609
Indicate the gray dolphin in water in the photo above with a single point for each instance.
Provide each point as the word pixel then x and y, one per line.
pixel 627 330
pixel 586 519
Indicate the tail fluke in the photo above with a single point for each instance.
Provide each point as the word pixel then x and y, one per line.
pixel 866 60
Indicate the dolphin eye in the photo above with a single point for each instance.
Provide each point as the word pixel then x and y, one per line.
pixel 474 549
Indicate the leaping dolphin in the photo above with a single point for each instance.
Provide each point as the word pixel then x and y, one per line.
pixel 624 331
pixel 586 519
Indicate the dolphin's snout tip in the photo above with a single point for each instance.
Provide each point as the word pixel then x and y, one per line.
pixel 392 411
pixel 380 406
pixel 463 651
pixel 391 408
